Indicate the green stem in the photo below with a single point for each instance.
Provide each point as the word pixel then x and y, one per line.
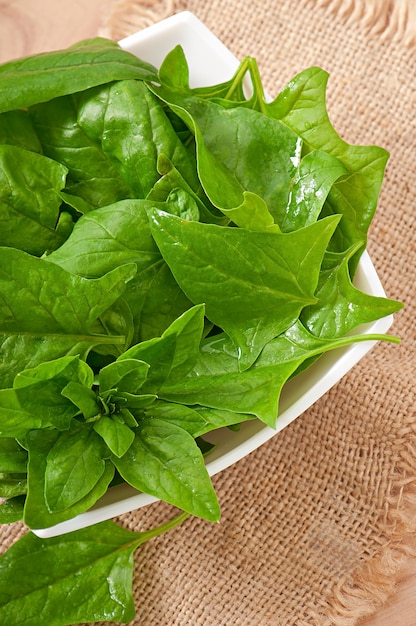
pixel 163 528
pixel 257 85
pixel 238 77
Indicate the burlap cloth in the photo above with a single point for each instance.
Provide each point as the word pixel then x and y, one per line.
pixel 318 521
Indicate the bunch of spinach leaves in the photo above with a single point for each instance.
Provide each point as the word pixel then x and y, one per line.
pixel 169 258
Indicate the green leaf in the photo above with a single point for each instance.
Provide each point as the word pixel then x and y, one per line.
pixel 57 372
pixel 172 355
pixel 116 435
pixel 52 310
pixel 301 105
pixel 161 301
pixel 12 485
pixel 195 420
pixel 77 577
pixel 171 179
pixel 342 307
pixel 36 400
pixel 44 76
pixel 216 380
pixel 38 324
pixel 164 461
pixel 123 375
pixel 82 397
pixel 11 510
pixel 316 174
pixel 159 354
pixel 119 234
pixel 16 420
pixel 187 330
pixel 92 177
pixel 127 417
pixel 244 277
pixel 183 204
pixel 13 458
pixel 20 351
pixel 79 205
pixel 36 512
pixel 174 71
pixel 16 129
pixel 83 576
pixel 74 465
pixel 256 154
pixel 134 402
pixel 252 214
pixel 130 126
pixel 29 200
pixel 117 321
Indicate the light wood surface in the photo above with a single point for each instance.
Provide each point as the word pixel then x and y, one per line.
pixel 31 26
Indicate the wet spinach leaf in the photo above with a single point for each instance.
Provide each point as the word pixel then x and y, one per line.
pixel 91 62
pixel 84 575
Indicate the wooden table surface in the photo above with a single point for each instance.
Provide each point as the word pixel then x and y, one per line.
pixel 31 26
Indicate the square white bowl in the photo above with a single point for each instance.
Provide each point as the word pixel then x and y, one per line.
pixel 211 62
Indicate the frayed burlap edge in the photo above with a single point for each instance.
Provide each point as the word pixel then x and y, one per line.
pixel 388 19
pixel 370 587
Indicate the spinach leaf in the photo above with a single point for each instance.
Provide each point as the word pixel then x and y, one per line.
pixel 174 70
pixel 37 514
pixel 16 129
pixel 38 324
pixel 11 509
pixel 315 176
pixel 165 461
pixel 13 458
pixel 171 180
pixel 301 105
pixel 116 434
pixel 36 401
pixel 91 62
pixel 340 306
pixel 256 154
pixel 84 398
pixel 172 355
pixel 196 420
pixel 29 202
pixel 217 382
pixel 92 178
pixel 130 126
pixel 12 485
pixel 244 277
pixel 108 237
pixel 120 234
pixel 74 465
pixel 87 564
pixel 125 375
pixel 82 576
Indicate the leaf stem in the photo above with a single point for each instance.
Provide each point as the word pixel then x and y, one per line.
pixel 163 528
pixel 238 77
pixel 257 84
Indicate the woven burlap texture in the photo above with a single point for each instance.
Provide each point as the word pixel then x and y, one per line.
pixel 317 522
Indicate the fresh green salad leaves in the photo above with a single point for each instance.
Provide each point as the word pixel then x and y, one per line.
pixel 169 258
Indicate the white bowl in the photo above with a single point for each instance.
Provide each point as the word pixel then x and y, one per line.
pixel 211 62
